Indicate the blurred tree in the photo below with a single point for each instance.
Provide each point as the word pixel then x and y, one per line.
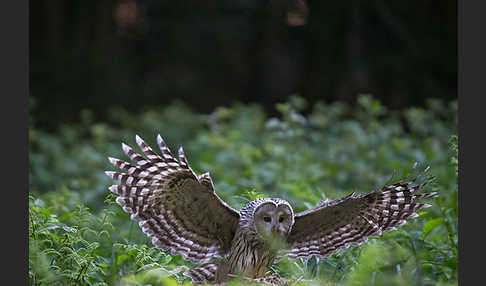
pixel 90 54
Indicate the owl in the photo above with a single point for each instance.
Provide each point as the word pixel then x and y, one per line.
pixel 181 212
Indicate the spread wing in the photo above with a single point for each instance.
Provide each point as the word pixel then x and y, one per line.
pixel 176 208
pixel 336 224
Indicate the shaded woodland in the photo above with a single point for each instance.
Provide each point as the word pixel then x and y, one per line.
pixel 303 100
pixel 94 54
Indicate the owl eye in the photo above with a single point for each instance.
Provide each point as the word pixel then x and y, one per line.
pixel 281 219
pixel 267 219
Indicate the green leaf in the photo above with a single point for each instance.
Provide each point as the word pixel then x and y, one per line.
pixel 431 225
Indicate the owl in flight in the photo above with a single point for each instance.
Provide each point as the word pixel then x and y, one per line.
pixel 181 212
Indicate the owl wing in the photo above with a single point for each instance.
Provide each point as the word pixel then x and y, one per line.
pixel 176 208
pixel 336 224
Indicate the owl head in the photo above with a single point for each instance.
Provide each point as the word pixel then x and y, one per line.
pixel 268 217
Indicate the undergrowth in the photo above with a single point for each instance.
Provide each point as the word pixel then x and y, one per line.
pixel 79 236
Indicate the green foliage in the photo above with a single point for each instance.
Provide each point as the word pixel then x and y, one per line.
pixel 78 235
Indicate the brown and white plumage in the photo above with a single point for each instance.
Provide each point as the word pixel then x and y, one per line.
pixel 181 212
pixel 336 224
pixel 177 209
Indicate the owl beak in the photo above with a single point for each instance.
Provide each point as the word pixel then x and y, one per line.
pixel 275 229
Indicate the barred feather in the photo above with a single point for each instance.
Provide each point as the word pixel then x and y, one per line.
pixel 336 224
pixel 202 274
pixel 177 209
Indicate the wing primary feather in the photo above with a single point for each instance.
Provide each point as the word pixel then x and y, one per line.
pixel 336 224
pixel 182 157
pixel 180 212
pixel 164 149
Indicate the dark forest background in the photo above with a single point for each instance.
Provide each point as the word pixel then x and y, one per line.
pixel 94 54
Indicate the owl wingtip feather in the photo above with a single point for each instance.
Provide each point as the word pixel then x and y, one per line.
pixel 113 189
pixel 113 160
pixel 125 147
pixel 110 174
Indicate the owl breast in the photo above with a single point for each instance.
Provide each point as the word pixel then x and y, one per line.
pixel 248 257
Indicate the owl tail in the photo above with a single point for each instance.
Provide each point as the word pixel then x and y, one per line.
pixel 202 274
